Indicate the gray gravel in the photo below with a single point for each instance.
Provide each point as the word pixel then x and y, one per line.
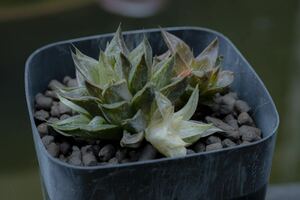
pixel 46 140
pixel 53 149
pixel 43 129
pixel 148 153
pixel 54 85
pixel 43 102
pixel 107 152
pixel 228 143
pixel 41 115
pixel 75 157
pixel 88 157
pixel 249 133
pixel 199 146
pixel 212 139
pixel 214 146
pixel 241 106
pixel 245 119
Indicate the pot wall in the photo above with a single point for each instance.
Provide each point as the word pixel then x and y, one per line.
pixel 238 172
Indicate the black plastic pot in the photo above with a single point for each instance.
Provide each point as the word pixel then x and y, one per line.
pixel 240 172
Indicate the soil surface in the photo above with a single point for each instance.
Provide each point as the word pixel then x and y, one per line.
pixel 227 112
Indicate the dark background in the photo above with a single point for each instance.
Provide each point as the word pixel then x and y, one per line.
pixel 266 32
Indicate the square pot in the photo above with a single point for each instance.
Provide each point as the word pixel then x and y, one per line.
pixel 240 172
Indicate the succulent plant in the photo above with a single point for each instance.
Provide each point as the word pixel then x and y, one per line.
pixel 204 69
pixel 126 96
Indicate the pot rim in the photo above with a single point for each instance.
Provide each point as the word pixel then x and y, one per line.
pixel 160 160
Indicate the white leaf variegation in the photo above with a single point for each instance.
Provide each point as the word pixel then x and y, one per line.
pixel 171 132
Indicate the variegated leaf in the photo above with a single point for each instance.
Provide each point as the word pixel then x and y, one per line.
pixel 132 140
pixel 117 92
pixel 138 76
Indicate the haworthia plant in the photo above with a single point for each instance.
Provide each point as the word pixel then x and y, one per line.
pixel 131 96
pixel 204 69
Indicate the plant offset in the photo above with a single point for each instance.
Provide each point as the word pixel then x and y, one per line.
pixel 130 105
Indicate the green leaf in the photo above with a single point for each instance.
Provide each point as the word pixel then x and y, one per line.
pixel 225 78
pixel 81 126
pixel 164 73
pixel 201 78
pixel 86 67
pixel 87 105
pixel 73 92
pixel 71 123
pixel 117 92
pixel 214 76
pixel 135 124
pixel 165 140
pixel 190 107
pixel 98 129
pixel 106 72
pixel 191 131
pixel 131 140
pixel 174 90
pixel 73 106
pixel 94 89
pixel 143 49
pixel 138 76
pixel 115 113
pixel 123 67
pixel 143 98
pixel 117 44
pixel 177 46
pixel 165 108
pixel 207 59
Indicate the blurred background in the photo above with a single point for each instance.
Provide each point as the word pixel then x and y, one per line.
pixel 266 32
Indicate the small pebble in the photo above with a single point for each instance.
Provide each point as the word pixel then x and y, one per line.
pixel 42 129
pixel 249 133
pixel 51 94
pixel 212 139
pixel 47 140
pixel 64 116
pixel 229 131
pixel 55 110
pixel 88 157
pixel 228 143
pixel 113 161
pixel 121 154
pixel 214 146
pixel 96 148
pixel 62 158
pixel 43 102
pixel 199 147
pixel 148 153
pixel 227 104
pixel 107 152
pixel 230 120
pixel 189 151
pixel 245 119
pixel 64 148
pixel 41 115
pixel 54 85
pixel 53 149
pixel 75 157
pixel 53 119
pixel 241 106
